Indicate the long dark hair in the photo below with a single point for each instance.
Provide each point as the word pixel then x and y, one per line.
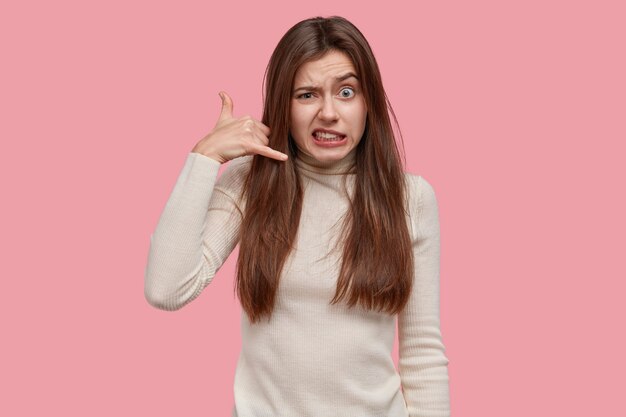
pixel 377 261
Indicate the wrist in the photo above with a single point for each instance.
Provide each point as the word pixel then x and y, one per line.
pixel 208 153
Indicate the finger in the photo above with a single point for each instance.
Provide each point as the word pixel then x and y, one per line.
pixel 227 106
pixel 264 128
pixel 261 138
pixel 254 131
pixel 269 152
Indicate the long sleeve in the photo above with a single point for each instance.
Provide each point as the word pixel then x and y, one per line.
pixel 195 234
pixel 422 359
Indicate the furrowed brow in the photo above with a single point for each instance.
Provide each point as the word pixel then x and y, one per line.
pixel 337 79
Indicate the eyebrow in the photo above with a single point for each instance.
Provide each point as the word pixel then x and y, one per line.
pixel 337 79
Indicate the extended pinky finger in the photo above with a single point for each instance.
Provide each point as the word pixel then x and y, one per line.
pixel 270 153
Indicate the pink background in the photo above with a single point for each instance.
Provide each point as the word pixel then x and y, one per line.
pixel 514 111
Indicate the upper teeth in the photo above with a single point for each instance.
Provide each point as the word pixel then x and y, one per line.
pixel 325 135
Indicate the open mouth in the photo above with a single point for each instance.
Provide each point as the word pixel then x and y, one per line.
pixel 329 140
pixel 327 137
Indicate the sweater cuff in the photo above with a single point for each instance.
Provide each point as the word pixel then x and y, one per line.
pixel 202 164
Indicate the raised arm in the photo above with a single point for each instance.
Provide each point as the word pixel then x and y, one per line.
pixel 199 226
pixel 422 360
pixel 197 231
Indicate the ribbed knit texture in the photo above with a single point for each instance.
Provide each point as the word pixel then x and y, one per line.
pixel 311 359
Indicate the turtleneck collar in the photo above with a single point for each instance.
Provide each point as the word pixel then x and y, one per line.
pixel 310 164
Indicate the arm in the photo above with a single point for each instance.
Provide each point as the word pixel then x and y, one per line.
pixel 422 360
pixel 197 230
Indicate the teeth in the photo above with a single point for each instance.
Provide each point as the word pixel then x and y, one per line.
pixel 327 136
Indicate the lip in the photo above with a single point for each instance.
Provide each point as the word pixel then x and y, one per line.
pixel 332 132
pixel 327 144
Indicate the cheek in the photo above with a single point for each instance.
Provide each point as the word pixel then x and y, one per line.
pixel 298 119
pixel 358 111
pixel 297 127
pixel 359 118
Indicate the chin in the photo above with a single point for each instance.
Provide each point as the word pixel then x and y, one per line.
pixel 328 156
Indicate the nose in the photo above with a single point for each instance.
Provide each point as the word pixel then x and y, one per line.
pixel 328 111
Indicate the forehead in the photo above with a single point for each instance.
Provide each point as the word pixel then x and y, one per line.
pixel 326 68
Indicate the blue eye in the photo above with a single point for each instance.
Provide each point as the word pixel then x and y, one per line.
pixel 347 88
pixel 304 94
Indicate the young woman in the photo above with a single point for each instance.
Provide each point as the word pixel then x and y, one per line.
pixel 336 240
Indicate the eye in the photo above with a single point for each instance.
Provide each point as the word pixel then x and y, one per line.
pixel 344 89
pixel 304 94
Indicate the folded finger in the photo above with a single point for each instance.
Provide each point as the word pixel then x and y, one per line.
pixel 264 128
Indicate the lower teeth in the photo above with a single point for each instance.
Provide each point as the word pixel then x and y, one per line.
pixel 329 140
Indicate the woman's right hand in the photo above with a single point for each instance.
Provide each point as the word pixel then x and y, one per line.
pixel 234 137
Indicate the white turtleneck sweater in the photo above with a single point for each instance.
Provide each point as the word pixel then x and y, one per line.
pixel 312 359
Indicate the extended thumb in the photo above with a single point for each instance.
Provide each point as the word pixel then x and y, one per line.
pixel 227 106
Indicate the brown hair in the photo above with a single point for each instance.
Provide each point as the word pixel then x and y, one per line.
pixel 377 261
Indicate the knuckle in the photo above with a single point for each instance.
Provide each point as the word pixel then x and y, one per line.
pixel 247 149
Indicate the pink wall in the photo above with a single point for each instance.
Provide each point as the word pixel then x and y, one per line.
pixel 516 114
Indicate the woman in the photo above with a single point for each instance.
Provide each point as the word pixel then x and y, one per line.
pixel 335 240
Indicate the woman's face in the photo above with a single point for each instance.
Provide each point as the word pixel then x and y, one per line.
pixel 327 96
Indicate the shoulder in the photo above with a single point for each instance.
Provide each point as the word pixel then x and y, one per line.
pixel 235 172
pixel 231 181
pixel 422 204
pixel 421 191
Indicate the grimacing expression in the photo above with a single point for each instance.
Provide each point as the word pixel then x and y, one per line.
pixel 327 95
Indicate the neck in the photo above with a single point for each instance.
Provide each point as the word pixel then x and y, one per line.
pixel 343 166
